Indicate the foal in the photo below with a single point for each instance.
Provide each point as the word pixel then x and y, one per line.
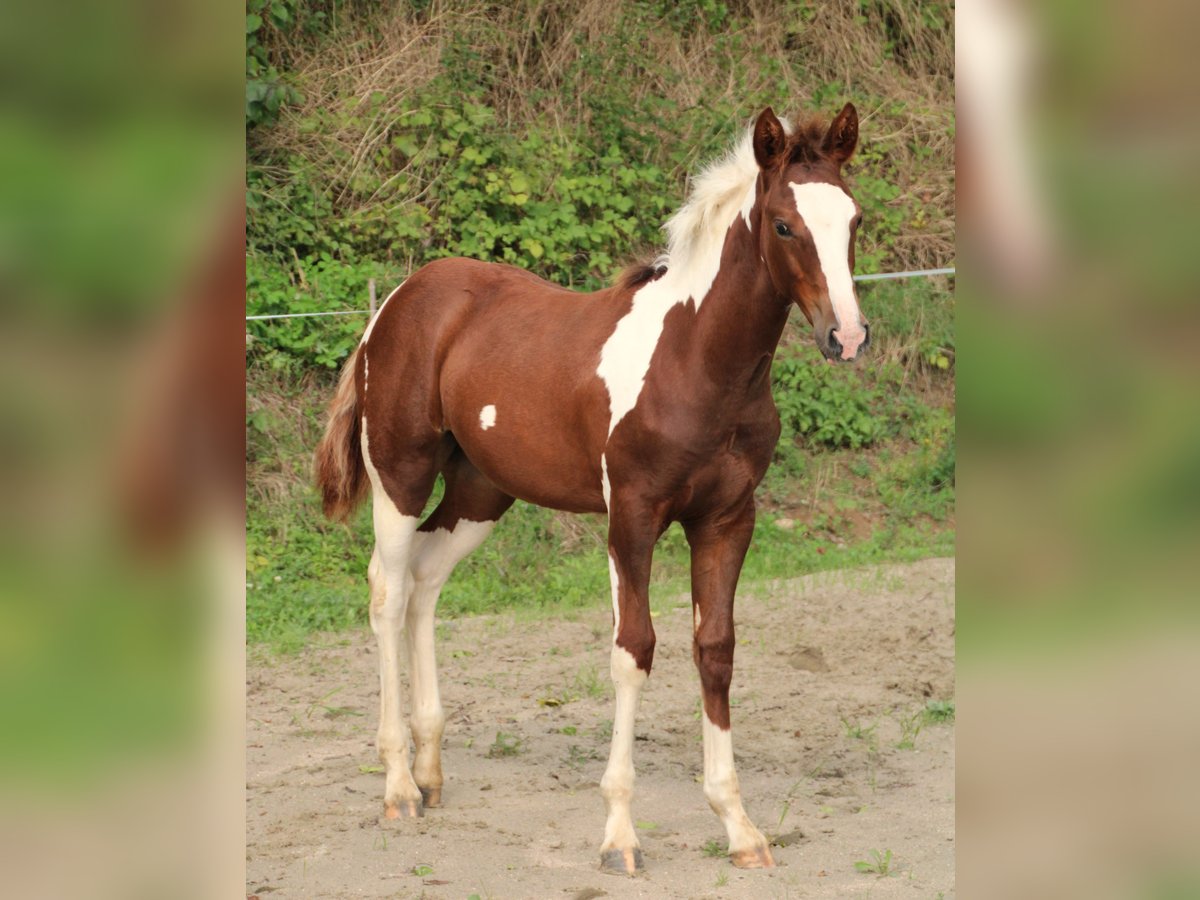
pixel 649 401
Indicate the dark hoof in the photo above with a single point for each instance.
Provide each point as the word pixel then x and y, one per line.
pixel 753 858
pixel 432 797
pixel 621 862
pixel 404 809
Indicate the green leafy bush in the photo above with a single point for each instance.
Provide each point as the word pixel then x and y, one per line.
pixel 558 142
pixel 313 285
pixel 827 404
pixel 267 89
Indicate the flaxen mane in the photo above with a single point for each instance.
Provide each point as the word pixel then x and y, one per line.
pixel 717 194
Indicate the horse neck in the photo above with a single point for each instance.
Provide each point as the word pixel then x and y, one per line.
pixel 742 317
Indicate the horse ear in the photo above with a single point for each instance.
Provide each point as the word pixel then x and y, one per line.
pixel 769 139
pixel 842 137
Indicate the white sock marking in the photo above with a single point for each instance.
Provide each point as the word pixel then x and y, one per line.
pixel 617 783
pixel 721 789
pixel 487 417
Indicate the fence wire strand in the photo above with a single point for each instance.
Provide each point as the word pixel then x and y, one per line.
pixel 883 276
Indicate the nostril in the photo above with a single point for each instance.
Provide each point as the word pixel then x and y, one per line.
pixel 835 346
pixel 866 341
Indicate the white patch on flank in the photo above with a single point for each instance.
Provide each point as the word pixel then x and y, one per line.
pixel 827 210
pixel 695 238
pixel 487 417
pixel 378 313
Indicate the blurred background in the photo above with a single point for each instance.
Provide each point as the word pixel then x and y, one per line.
pixel 124 354
pixel 121 449
pixel 1080 449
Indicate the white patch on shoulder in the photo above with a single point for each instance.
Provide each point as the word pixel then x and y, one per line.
pixel 487 417
pixel 827 210
pixel 695 238
pixel 625 357
pixel 366 369
pixel 379 312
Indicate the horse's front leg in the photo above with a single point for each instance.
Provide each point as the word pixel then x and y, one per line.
pixel 718 549
pixel 631 538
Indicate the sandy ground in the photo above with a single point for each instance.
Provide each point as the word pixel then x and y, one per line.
pixel 817 658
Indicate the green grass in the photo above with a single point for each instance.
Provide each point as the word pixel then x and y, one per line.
pixel 504 745
pixel 939 712
pixel 910 727
pixel 316 581
pixel 880 864
pixel 856 731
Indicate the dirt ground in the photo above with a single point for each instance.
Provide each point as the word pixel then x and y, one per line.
pixel 829 668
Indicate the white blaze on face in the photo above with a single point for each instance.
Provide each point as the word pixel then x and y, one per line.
pixel 827 210
pixel 487 417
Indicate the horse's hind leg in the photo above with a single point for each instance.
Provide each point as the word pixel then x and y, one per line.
pixel 399 491
pixel 468 512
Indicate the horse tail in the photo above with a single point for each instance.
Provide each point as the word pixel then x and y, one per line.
pixel 338 463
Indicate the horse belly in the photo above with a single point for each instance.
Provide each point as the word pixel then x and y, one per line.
pixel 530 455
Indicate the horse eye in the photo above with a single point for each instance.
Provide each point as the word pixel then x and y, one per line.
pixel 782 230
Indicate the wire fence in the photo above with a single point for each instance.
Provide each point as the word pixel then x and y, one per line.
pixel 882 276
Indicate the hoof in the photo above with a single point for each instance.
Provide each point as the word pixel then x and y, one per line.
pixel 621 862
pixel 405 809
pixel 753 858
pixel 432 797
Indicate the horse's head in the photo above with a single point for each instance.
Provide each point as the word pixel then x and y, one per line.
pixel 807 222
